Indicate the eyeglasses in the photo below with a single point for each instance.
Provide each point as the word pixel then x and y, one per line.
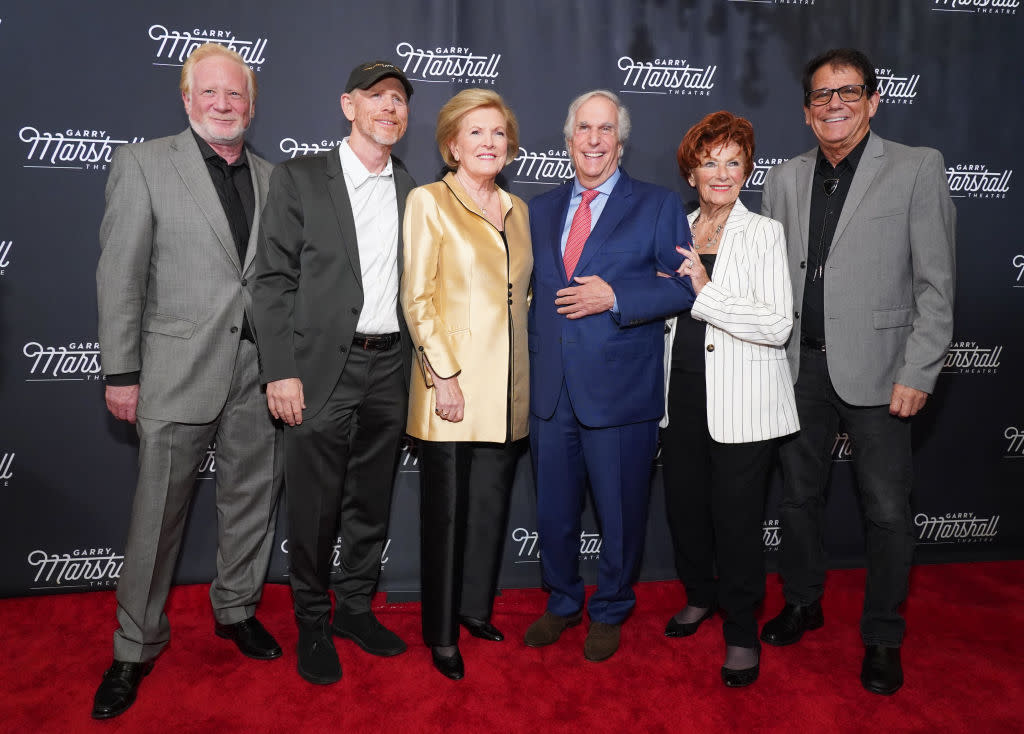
pixel 847 93
pixel 829 186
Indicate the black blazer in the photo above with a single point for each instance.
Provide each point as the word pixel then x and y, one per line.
pixel 307 291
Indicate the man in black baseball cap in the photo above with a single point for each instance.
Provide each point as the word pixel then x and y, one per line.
pixel 366 75
pixel 335 358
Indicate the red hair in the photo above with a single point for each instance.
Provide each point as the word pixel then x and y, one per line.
pixel 715 130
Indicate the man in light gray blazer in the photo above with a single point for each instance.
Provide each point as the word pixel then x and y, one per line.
pixel 178 240
pixel 870 232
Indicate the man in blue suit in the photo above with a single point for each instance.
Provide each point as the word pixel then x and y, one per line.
pixel 596 336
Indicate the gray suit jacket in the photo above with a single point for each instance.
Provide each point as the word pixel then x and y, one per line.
pixel 171 289
pixel 308 289
pixel 889 275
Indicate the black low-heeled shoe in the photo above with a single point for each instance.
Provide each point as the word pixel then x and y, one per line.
pixel 740 678
pixel 481 629
pixel 450 666
pixel 685 629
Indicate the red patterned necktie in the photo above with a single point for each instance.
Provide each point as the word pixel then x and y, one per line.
pixel 579 230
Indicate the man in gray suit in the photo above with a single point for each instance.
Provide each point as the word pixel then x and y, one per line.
pixel 178 240
pixel 335 357
pixel 870 232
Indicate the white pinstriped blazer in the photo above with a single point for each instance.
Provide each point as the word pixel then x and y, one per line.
pixel 748 308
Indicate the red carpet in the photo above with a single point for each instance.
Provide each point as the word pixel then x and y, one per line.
pixel 962 660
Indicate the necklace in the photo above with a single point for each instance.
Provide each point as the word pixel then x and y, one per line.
pixel 473 196
pixel 711 240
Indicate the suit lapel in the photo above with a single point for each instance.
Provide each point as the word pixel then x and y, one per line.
pixel 186 159
pixel 559 209
pixel 803 186
pixel 403 185
pixel 733 228
pixel 870 164
pixel 614 210
pixel 343 210
pixel 259 189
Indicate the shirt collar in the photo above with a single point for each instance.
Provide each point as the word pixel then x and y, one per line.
pixel 207 152
pixel 605 188
pixel 354 169
pixel 851 160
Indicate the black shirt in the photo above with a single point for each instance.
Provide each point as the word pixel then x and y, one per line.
pixel 688 345
pixel 825 210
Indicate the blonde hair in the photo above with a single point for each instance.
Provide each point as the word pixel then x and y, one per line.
pixel 215 49
pixel 450 118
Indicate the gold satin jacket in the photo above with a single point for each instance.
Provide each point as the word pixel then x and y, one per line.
pixel 465 303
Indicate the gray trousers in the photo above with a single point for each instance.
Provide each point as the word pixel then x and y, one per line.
pixel 248 481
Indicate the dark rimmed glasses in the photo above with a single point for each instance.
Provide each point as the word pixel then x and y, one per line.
pixel 847 93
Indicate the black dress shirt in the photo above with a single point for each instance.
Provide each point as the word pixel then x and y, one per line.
pixel 688 345
pixel 825 210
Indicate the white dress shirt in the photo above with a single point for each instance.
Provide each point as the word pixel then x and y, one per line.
pixel 375 211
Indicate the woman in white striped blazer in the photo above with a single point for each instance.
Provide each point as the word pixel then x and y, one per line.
pixel 729 394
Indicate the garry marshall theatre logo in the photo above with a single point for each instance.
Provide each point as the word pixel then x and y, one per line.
pixel 967 358
pixel 549 167
pixel 1017 262
pixel 88 567
pixel 208 466
pixel 448 64
pixel 771 538
pixel 975 181
pixel 896 89
pixel 956 527
pixel 666 76
pixel 992 7
pixel 1014 449
pixel 6 468
pixel 76 361
pixel 73 149
pixel 336 554
pixel 529 552
pixel 842 447
pixel 5 255
pixel 292 147
pixel 176 46
pixel 763 164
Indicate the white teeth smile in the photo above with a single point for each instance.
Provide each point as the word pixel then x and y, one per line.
pixel 834 119
pixel 593 155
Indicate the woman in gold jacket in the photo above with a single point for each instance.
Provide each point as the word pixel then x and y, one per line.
pixel 467 271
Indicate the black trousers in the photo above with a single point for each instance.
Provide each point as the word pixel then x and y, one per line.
pixel 714 500
pixel 464 497
pixel 883 465
pixel 339 473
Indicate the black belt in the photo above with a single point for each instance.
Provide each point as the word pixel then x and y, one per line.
pixel 812 342
pixel 377 342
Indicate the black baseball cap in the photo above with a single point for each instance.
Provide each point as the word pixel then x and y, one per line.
pixel 366 75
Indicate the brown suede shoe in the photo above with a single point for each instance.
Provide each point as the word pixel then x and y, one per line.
pixel 549 628
pixel 602 641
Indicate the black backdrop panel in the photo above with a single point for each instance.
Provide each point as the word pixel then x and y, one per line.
pixel 84 78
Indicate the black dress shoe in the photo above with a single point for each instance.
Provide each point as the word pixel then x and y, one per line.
pixel 450 666
pixel 881 672
pixel 685 629
pixel 118 689
pixel 481 629
pixel 791 623
pixel 364 630
pixel 251 637
pixel 318 660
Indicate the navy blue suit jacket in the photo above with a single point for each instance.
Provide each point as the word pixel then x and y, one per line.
pixel 611 365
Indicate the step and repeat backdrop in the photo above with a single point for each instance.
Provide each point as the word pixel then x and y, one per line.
pixel 85 78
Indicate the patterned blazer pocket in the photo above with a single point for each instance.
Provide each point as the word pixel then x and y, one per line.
pixel 175 326
pixel 891 318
